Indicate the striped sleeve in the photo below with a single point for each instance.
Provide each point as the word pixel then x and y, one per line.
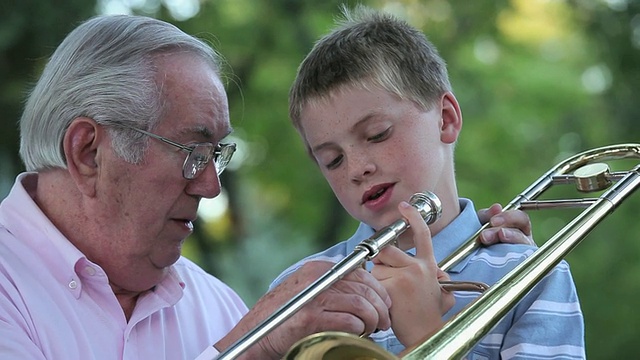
pixel 546 324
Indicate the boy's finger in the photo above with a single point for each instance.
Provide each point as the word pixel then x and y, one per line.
pixel 421 233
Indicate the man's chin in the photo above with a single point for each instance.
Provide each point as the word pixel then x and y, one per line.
pixel 164 262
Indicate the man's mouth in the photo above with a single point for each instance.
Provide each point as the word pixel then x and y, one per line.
pixel 186 222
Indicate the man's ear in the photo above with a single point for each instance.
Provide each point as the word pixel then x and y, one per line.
pixel 80 144
pixel 451 122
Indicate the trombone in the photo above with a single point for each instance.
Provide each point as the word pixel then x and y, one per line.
pixel 455 339
pixel 588 172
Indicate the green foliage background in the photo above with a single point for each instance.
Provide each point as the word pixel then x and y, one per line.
pixel 537 80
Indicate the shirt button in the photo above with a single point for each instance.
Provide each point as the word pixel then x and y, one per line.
pixel 90 271
pixel 73 284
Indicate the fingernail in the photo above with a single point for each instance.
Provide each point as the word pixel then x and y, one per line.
pixel 405 204
pixel 486 235
pixel 497 220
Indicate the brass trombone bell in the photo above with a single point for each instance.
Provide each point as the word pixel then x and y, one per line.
pixel 336 345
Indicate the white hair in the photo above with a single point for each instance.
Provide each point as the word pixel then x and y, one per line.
pixel 103 70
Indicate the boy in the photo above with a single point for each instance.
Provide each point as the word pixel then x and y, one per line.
pixel 373 104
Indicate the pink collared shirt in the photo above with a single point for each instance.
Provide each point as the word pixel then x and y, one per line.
pixel 56 304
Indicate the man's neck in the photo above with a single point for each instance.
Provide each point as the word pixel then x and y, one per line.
pixel 127 300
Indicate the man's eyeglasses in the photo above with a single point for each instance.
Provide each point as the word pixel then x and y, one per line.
pixel 198 155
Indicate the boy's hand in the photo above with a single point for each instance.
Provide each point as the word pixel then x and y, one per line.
pixel 418 300
pixel 512 226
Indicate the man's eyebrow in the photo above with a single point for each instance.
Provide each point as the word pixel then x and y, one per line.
pixel 204 132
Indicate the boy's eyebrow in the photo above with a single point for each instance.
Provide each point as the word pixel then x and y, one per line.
pixel 366 118
pixel 321 146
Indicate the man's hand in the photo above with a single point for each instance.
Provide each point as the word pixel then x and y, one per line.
pixel 357 304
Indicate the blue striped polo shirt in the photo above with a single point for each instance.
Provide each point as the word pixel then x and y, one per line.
pixel 546 324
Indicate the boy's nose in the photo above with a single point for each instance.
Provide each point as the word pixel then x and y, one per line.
pixel 362 169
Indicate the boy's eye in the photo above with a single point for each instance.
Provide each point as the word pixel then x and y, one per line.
pixel 334 163
pixel 380 136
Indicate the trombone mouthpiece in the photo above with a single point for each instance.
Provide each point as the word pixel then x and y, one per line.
pixel 428 204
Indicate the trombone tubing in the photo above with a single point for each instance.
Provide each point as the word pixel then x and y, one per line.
pixel 465 329
pixel 612 152
pixel 430 209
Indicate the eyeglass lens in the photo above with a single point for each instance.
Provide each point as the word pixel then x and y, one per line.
pixel 202 154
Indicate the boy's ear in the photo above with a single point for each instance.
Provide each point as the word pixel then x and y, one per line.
pixel 80 144
pixel 451 122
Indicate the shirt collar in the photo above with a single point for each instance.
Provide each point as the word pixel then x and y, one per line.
pixel 23 218
pixel 456 233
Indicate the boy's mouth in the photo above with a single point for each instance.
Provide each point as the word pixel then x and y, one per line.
pixel 375 193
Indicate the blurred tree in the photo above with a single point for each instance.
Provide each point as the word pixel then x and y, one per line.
pixel 537 81
pixel 614 29
pixel 29 31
